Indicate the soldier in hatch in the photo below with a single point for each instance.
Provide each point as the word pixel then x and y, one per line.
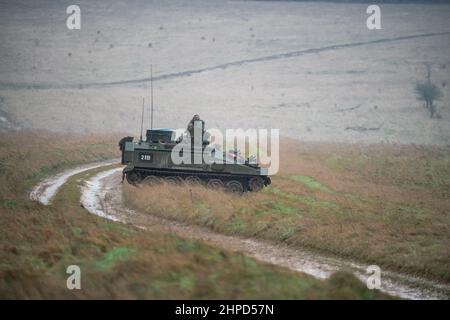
pixel 196 122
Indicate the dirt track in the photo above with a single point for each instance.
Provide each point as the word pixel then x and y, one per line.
pixel 187 73
pixel 46 190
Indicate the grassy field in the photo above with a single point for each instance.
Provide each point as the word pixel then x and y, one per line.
pixel 212 51
pixel 382 204
pixel 37 243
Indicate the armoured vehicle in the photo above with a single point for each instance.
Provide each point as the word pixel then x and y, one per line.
pixel 150 162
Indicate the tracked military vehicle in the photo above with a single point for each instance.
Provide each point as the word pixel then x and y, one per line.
pixel 150 162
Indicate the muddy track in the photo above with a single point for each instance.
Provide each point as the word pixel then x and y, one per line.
pixel 102 196
pixel 46 190
pixel 237 63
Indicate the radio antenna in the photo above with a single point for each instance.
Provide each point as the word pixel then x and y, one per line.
pixel 142 118
pixel 151 96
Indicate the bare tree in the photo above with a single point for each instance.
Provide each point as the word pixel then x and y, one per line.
pixel 428 92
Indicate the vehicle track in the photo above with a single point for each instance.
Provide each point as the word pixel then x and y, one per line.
pixel 187 73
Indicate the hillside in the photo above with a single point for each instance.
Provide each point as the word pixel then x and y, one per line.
pixel 311 69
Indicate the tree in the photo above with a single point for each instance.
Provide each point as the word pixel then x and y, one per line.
pixel 428 92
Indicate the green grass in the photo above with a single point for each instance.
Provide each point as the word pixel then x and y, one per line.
pixel 312 203
pixel 310 183
pixel 113 256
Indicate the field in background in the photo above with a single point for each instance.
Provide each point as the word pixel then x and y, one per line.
pixel 53 78
pixel 383 204
pixel 37 242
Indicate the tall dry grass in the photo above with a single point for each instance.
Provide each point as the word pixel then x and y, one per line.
pixel 191 203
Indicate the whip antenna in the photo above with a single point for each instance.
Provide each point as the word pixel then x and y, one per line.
pixel 142 117
pixel 151 95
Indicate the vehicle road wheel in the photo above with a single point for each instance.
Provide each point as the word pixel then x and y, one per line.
pixel 152 180
pixel 193 181
pixel 172 180
pixel 256 184
pixel 133 177
pixel 234 186
pixel 214 184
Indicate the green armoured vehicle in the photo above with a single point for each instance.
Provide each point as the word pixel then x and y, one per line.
pixel 150 162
